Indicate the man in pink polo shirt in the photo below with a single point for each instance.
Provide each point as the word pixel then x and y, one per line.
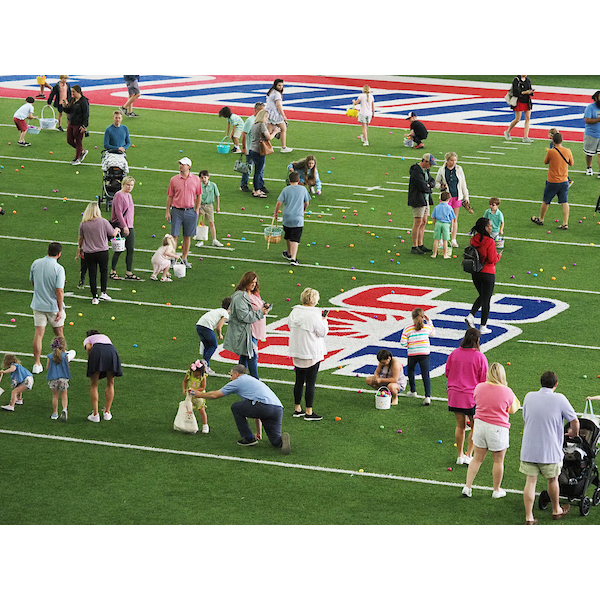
pixel 183 205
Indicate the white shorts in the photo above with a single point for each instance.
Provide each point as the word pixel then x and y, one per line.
pixel 27 382
pixel 41 319
pixel 364 119
pixel 492 437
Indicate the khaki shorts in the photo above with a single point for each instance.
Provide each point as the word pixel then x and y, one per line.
pixel 208 211
pixel 549 471
pixel 420 211
pixel 41 319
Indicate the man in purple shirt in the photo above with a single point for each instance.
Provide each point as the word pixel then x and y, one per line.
pixel 544 413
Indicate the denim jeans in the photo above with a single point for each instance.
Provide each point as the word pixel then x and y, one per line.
pixel 259 169
pixel 251 363
pixel 209 339
pixel 270 415
pixel 423 361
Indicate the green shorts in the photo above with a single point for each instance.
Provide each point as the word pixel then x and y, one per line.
pixel 441 231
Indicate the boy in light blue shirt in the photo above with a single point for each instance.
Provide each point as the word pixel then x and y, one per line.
pixel 442 217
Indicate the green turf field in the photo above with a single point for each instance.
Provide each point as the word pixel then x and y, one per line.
pixel 141 471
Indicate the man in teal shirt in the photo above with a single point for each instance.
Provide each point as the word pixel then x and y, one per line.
pixel 116 136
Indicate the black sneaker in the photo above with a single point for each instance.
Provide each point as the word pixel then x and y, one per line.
pixel 285 443
pixel 244 188
pixel 416 250
pixel 294 262
pixel 298 413
pixel 84 153
pixel 313 417
pixel 286 255
pixel 80 285
pixel 248 442
pixel 425 250
pixel 132 114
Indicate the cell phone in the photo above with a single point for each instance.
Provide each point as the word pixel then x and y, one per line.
pixel 267 305
pixel 325 313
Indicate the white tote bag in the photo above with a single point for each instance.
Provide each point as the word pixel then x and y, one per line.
pixel 185 419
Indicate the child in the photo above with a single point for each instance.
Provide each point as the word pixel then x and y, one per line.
pixel 309 175
pixel 210 192
pixel 59 375
pixel 389 373
pixel 236 124
pixel 21 380
pixel 61 91
pixel 20 118
pixel 418 132
pixel 496 217
pixel 415 338
pixel 551 133
pixel 41 81
pixel 207 324
pixel 195 379
pixel 365 112
pixel 442 217
pixel 161 258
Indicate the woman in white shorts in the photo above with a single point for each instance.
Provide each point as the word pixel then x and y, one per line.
pixel 494 401
pixel 366 111
pixel 274 108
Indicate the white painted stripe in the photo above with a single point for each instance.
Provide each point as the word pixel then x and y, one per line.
pixel 490 152
pixel 559 344
pixel 270 463
pixel 503 147
pixel 15 314
pixel 479 157
pixel 7 325
pixel 370 195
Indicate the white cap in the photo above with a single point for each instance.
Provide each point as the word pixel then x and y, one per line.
pixel 185 161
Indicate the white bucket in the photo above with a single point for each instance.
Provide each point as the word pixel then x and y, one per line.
pixel 179 269
pixel 201 233
pixel 48 123
pixel 383 399
pixel 118 244
pixel 1 391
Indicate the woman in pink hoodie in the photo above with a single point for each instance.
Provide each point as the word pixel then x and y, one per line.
pixel 484 281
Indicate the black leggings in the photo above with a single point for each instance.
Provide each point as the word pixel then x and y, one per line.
pixel 309 377
pixel 484 283
pixel 93 260
pixel 129 244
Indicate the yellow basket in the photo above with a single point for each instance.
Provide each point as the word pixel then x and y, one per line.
pixel 352 112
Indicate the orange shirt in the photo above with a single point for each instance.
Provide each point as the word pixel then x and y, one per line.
pixel 558 169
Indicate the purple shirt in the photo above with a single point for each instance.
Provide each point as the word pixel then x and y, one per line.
pixel 465 368
pixel 95 235
pixel 122 210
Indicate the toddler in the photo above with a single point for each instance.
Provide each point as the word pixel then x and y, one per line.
pixel 442 217
pixel 161 258
pixel 20 118
pixel 210 204
pixel 206 326
pixel 235 123
pixel 195 379
pixel 41 81
pixel 59 375
pixel 494 214
pixel 20 377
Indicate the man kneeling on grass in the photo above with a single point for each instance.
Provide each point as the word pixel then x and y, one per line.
pixel 257 402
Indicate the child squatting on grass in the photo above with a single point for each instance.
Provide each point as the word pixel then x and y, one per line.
pixel 161 258
pixel 20 377
pixel 389 373
pixel 59 375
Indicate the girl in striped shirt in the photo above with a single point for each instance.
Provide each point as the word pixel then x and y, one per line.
pixel 415 338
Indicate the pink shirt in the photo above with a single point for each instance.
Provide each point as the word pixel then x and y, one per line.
pixel 122 210
pixel 493 402
pixel 95 233
pixel 97 338
pixel 465 368
pixel 183 190
pixel 258 328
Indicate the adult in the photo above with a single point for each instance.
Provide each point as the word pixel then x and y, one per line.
pixel 294 198
pixel 103 363
pixel 308 328
pixel 260 133
pixel 558 160
pixel 309 175
pixel 451 178
pixel 522 89
pixel 465 368
pixel 78 111
pixel 94 232
pixel 122 216
pixel 366 111
pixel 245 141
pixel 418 132
pixel 184 198
pixel 116 136
pixel 591 133
pixel 47 277
pixel 133 89
pixel 257 402
pixel 544 413
pixel 238 338
pixel 420 185
pixel 277 118
pixel 257 328
pixel 494 401
pixel 389 373
pixel 484 280
pixel 60 91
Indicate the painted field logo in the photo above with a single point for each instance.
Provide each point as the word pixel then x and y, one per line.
pixel 365 319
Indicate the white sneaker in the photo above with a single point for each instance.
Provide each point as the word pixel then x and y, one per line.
pixel 71 355
pixel 209 371
pixel 589 171
pixel 427 401
pixel 467 492
pixel 199 244
pixel 63 415
pixel 8 407
pixel 205 428
pixel 37 369
pixel 411 394
pixel 95 301
pixel 454 243
pixel 365 143
pixel 105 296
pixel 286 150
pixel 469 320
pixel 467 460
pixel 527 140
pixel 507 136
pixel 217 243
pixel 94 418
pixel 483 329
pixel 498 494
pixel 106 415
pixel 54 416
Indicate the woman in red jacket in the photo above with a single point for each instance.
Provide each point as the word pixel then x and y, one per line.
pixel 481 238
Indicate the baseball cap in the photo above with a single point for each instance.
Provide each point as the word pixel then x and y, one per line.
pixel 412 113
pixel 185 161
pixel 430 158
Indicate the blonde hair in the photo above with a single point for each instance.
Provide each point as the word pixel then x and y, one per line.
pixel 494 200
pixel 552 131
pixel 126 180
pixel 496 374
pixel 309 297
pixel 418 317
pixel 169 240
pixel 59 345
pixel 366 89
pixel 449 155
pixel 261 116
pixel 92 211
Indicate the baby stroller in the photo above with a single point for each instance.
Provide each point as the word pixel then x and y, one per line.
pixel 114 168
pixel 579 468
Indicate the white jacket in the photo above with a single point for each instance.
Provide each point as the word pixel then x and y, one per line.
pixel 440 178
pixel 307 333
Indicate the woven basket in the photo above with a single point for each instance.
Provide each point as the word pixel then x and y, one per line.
pixel 273 234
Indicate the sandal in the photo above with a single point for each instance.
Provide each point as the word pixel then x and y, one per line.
pixel 563 227
pixel 259 195
pixel 537 220
pixel 114 275
pixel 132 276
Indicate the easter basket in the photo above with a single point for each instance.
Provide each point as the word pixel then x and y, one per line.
pixel 222 147
pixel 273 234
pixel 117 244
pixel 201 233
pixel 499 243
pixel 383 398
pixel 185 420
pixel 352 112
pixel 48 123
pixel 179 269
pixel 33 129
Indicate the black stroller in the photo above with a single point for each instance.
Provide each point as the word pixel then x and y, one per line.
pixel 579 469
pixel 114 169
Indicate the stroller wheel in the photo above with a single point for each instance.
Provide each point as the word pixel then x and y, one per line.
pixel 544 500
pixel 596 497
pixel 584 506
